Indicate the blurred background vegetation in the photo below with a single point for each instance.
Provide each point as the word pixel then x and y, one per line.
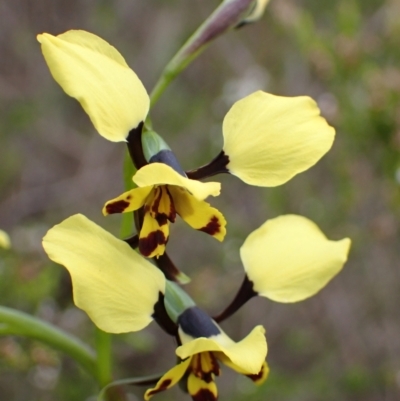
pixel 344 343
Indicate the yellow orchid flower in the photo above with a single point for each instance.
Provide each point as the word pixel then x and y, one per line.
pixel 112 283
pixel 204 345
pixel 164 193
pixel 4 240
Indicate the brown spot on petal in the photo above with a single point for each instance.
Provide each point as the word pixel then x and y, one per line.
pixel 257 376
pixel 163 386
pixel 148 244
pixel 204 395
pixel 117 207
pixel 213 227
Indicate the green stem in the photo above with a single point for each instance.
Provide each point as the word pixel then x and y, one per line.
pixel 103 348
pixel 225 17
pixel 21 324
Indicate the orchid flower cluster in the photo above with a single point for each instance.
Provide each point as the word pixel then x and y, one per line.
pixel 123 285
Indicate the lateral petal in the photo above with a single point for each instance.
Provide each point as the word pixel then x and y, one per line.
pixel 112 283
pixel 269 139
pixel 198 213
pixel 289 259
pixel 201 390
pixel 248 355
pixel 153 237
pixel 161 174
pixel 169 379
pixel 128 201
pixel 93 72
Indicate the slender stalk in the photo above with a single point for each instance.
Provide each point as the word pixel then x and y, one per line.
pixel 103 348
pixel 225 17
pixel 21 324
pixel 138 381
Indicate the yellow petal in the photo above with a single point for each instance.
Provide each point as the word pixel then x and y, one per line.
pixel 248 355
pixel 159 174
pixel 153 237
pixel 169 379
pixel 112 283
pixel 198 213
pixel 4 240
pixel 257 378
pixel 289 259
pixel 202 390
pixel 269 139
pixel 128 201
pixel 93 72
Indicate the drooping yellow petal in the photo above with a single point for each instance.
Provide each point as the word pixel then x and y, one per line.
pixel 93 72
pixel 169 379
pixel 289 259
pixel 257 378
pixel 160 174
pixel 248 354
pixel 112 283
pixel 128 201
pixel 153 237
pixel 269 139
pixel 198 213
pixel 201 389
pixel 4 240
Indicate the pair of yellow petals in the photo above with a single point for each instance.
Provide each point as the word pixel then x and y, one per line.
pixel 267 139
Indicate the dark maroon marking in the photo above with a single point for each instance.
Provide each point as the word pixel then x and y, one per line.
pixel 257 376
pixel 148 244
pixel 166 265
pixel 132 241
pixel 134 143
pixel 172 211
pixel 213 226
pixel 162 318
pixel 207 376
pixel 157 200
pixel 245 293
pixel 216 166
pixel 162 218
pixel 129 197
pixel 204 395
pixel 163 386
pixel 117 207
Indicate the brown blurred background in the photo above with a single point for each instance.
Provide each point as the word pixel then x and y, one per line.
pixel 344 343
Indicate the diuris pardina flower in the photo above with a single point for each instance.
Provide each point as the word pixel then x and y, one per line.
pixel 204 345
pixel 96 74
pixel 287 259
pixel 267 139
pixel 164 193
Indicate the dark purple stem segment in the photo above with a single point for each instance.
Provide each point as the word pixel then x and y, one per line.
pixel 244 294
pixel 216 166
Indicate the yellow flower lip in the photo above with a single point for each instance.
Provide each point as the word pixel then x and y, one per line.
pixel 93 72
pixel 200 359
pixel 163 193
